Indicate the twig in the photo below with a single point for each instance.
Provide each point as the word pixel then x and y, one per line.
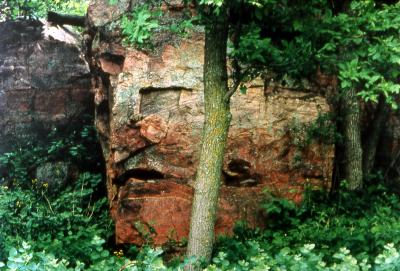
pixel 126 265
pixel 232 90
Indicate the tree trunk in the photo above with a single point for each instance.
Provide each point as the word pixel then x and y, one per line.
pixel 352 140
pixel 373 134
pixel 61 19
pixel 215 132
pixel 337 172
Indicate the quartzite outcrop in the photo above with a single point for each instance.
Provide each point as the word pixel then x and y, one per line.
pixel 150 115
pixel 44 81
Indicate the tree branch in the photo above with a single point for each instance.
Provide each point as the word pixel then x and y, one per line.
pixel 232 90
pixel 237 80
pixel 60 19
pixel 237 71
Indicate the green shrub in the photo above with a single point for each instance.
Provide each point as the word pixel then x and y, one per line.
pixel 38 8
pixel 24 258
pixel 67 232
pixel 322 130
pixel 362 222
pixel 64 224
pixel 145 21
pixel 366 223
pixel 256 259
pixel 39 225
pixel 78 146
pixel 138 27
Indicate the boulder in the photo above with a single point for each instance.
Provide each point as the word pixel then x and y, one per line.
pixel 54 176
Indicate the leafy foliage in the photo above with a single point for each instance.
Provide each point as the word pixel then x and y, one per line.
pixel 315 238
pixel 321 130
pixel 17 9
pixel 139 27
pixel 339 234
pixel 362 46
pixel 26 259
pixel 64 225
pixel 77 146
pixel 145 21
pixel 304 258
pixel 182 27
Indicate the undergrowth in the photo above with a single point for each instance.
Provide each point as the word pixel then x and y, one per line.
pixel 359 227
pixel 71 229
pixel 351 231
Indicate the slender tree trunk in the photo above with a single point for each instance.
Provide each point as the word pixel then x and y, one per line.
pixel 352 140
pixel 337 174
pixel 215 132
pixel 373 135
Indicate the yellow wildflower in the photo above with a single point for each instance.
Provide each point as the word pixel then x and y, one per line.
pixel 119 253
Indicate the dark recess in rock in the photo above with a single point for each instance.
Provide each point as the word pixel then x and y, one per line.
pixel 140 174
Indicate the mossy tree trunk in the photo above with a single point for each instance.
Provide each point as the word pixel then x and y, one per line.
pixel 372 135
pixel 215 132
pixel 352 139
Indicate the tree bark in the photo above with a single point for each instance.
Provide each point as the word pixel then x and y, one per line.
pixel 373 134
pixel 215 132
pixel 61 19
pixel 352 140
pixel 337 172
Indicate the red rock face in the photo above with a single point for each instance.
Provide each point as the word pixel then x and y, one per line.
pixel 165 208
pixel 150 115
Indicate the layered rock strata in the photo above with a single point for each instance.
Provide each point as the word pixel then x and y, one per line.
pixel 44 80
pixel 150 116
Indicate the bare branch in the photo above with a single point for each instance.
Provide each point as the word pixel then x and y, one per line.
pixel 237 71
pixel 232 90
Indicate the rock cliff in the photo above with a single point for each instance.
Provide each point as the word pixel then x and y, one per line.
pixel 149 113
pixel 44 80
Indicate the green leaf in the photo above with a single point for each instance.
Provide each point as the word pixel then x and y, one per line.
pixel 13 252
pixel 243 89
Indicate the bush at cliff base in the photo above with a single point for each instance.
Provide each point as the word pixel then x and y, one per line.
pixel 304 258
pixel 351 232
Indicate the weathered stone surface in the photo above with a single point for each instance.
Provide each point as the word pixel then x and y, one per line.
pixel 54 175
pixel 150 116
pixel 165 206
pixel 102 12
pixel 44 81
